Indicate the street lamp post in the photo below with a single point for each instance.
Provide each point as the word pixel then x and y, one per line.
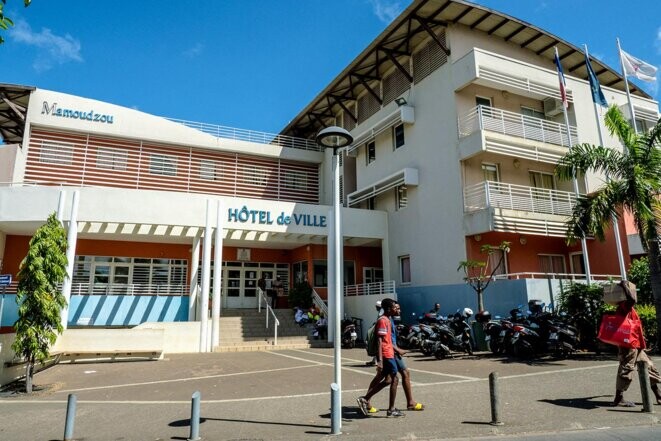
pixel 336 138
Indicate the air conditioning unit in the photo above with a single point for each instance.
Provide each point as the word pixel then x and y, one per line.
pixel 552 107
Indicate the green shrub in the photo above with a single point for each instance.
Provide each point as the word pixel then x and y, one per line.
pixel 639 274
pixel 647 314
pixel 585 305
pixel 300 295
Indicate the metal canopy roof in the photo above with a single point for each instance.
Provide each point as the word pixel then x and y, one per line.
pixel 425 18
pixel 13 109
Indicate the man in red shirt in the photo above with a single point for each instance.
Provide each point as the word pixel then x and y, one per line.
pixel 386 365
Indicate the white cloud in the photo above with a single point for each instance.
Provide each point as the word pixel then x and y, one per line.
pixel 51 49
pixel 657 42
pixel 194 51
pixel 386 10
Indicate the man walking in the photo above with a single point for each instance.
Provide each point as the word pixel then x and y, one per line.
pixel 386 366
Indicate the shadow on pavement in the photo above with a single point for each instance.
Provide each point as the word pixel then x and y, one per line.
pixel 580 403
pixel 186 422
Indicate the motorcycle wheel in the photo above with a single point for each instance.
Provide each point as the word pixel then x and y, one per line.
pixel 426 350
pixel 468 348
pixel 440 355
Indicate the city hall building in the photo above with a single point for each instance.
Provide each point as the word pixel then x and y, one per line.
pixel 457 123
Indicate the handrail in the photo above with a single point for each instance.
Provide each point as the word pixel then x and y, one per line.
pixel 319 303
pixel 366 289
pixel 262 295
pixel 559 276
pixel 518 197
pixel 515 124
pixel 250 135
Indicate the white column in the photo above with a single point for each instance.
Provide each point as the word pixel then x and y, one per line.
pixel 72 237
pixel 385 258
pixel 217 278
pixel 60 205
pixel 337 255
pixel 194 268
pixel 206 273
pixel 330 275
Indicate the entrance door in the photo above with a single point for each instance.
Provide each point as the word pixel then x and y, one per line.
pixel 240 287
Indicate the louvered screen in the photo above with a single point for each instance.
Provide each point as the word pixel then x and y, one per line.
pixel 428 59
pixel 394 85
pixel 367 106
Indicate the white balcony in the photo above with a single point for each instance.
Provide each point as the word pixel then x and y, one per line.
pixel 506 74
pixel 495 206
pixel 367 289
pixel 508 133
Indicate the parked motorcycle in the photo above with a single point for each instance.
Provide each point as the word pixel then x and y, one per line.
pixel 349 334
pixel 454 335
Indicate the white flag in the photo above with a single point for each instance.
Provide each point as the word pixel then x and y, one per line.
pixel 634 67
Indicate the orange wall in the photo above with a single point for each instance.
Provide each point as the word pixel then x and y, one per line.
pixel 523 257
pixel 17 247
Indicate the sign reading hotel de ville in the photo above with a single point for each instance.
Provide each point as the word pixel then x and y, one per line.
pixel 85 115
pixel 246 215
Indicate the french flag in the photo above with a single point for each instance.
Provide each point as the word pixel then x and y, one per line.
pixel 561 78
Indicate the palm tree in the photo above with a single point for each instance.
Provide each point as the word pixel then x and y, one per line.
pixel 633 185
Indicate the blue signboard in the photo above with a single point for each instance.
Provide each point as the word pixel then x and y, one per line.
pixel 5 279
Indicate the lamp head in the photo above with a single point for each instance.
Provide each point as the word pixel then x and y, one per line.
pixel 334 137
pixel 400 101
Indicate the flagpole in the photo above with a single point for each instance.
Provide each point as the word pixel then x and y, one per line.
pixel 584 244
pixel 626 87
pixel 616 227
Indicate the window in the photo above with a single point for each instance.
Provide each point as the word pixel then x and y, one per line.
pixel 577 263
pixel 372 275
pixel 542 180
pixel 255 175
pixel 482 101
pixel 643 126
pixel 490 172
pixel 114 159
pixel 370 149
pixel 369 203
pixel 208 170
pixel 494 260
pixel 401 197
pixel 56 153
pixel 300 271
pixel 163 165
pixel 398 135
pixel 527 111
pixel 295 180
pixel 320 273
pixel 551 263
pixel 405 269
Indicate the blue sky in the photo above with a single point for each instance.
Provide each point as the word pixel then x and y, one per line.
pixel 255 64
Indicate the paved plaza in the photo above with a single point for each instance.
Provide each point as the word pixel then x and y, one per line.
pixel 284 395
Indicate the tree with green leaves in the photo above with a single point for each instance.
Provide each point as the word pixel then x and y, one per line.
pixel 6 22
pixel 633 184
pixel 477 272
pixel 39 296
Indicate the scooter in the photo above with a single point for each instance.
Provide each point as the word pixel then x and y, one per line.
pixel 349 334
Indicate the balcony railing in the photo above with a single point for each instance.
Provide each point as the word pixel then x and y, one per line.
pixel 518 197
pixel 560 276
pixel 367 289
pixel 250 135
pixel 515 124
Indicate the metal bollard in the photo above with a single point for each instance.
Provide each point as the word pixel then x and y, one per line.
pixel 645 390
pixel 495 400
pixel 71 416
pixel 195 417
pixel 336 410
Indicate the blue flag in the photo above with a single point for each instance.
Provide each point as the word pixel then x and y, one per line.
pixel 597 95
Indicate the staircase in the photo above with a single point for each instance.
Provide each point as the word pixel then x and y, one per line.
pixel 245 330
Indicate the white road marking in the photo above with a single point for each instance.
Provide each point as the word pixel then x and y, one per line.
pixel 175 380
pixel 410 369
pixel 344 367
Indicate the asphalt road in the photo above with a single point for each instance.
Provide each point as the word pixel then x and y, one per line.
pixel 284 395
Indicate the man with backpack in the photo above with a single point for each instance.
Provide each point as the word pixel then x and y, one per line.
pixel 379 312
pixel 386 366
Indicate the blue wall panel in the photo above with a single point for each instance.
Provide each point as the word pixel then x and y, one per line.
pixel 113 310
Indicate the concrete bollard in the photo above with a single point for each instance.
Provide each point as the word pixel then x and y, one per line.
pixel 195 417
pixel 645 390
pixel 336 410
pixel 71 416
pixel 495 399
